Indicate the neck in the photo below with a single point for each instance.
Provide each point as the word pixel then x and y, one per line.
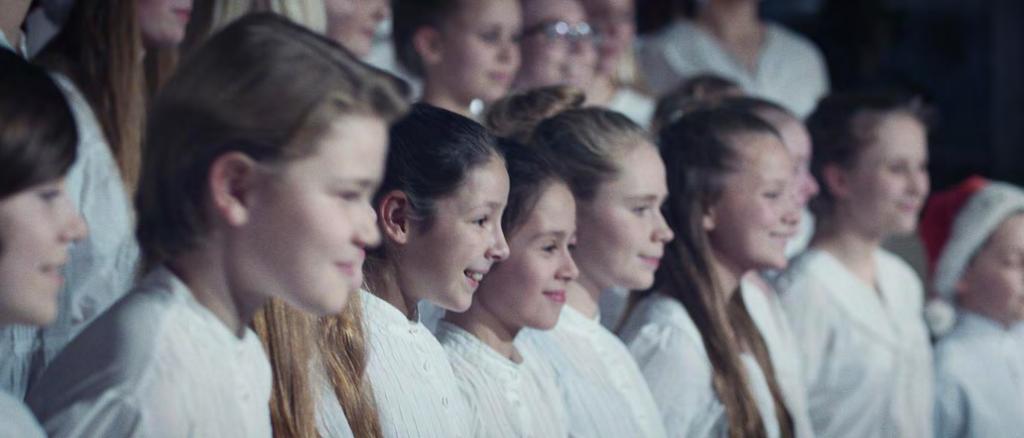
pixel 490 330
pixel 601 91
pixel 383 282
pixel 12 15
pixel 209 281
pixel 583 296
pixel 730 20
pixel 727 276
pixel 441 99
pixel 853 249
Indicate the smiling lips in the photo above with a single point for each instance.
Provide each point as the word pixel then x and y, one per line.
pixel 651 261
pixel 557 296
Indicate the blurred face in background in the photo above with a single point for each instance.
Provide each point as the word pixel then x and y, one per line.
pixel 162 22
pixel 353 23
pixel 558 45
pixel 615 23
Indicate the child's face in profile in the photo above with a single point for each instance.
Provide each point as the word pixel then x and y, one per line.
pixel 993 283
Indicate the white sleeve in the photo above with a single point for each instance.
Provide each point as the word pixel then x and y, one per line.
pixel 108 416
pixel 812 318
pixel 677 370
pixel 951 414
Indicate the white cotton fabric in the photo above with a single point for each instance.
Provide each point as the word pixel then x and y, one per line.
pixel 605 394
pixel 864 348
pixel 416 392
pixel 331 421
pixel 669 348
pixel 635 105
pixel 790 70
pixel 100 267
pixel 514 400
pixel 157 364
pixel 765 309
pixel 16 421
pixel 979 375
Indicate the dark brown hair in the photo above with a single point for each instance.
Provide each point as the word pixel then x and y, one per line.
pixel 408 17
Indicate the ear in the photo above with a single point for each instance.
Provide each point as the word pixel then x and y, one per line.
pixel 427 42
pixel 395 213
pixel 835 180
pixel 708 218
pixel 231 180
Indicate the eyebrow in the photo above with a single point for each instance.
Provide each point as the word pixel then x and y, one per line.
pixel 644 198
pixel 365 183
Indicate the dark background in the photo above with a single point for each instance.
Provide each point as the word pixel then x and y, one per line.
pixel 965 58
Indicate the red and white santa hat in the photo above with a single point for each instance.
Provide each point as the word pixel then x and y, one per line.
pixel 957 222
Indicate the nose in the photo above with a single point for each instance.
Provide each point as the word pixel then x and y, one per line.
pixel 920 182
pixel 811 187
pixel 568 271
pixel 662 232
pixel 74 227
pixel 498 250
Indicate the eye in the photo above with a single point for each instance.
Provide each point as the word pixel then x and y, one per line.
pixel 550 247
pixel 492 36
pixel 482 222
pixel 641 210
pixel 772 194
pixel 49 195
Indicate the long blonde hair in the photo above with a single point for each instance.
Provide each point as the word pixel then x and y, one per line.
pixel 99 49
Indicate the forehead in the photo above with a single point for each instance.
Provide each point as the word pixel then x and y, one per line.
pixel 352 144
pixel 555 211
pixel 896 136
pixel 1009 236
pixel 484 12
pixel 484 185
pixel 536 11
pixel 762 156
pixel 640 172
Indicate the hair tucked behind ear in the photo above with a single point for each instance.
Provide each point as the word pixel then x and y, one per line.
pixel 699 152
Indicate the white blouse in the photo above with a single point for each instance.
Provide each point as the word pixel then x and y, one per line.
pixel 509 399
pixel 331 421
pixel 416 392
pixel 864 348
pixel 670 350
pixel 100 267
pixel 765 309
pixel 15 419
pixel 979 372
pixel 605 394
pixel 157 364
pixel 790 69
pixel 633 104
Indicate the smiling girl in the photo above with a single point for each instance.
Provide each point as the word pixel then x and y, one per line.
pixel 856 309
pixel 37 220
pixel 618 182
pixel 439 210
pixel 514 393
pixel 463 50
pixel 732 211
pixel 247 193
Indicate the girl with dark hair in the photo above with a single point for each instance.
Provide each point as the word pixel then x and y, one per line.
pixel 732 211
pixel 97 60
pixel 248 193
pixel 439 210
pixel 514 392
pixel 855 308
pixel 465 52
pixel 37 220
pixel 617 180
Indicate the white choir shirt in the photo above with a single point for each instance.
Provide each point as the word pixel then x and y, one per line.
pixel 670 350
pixel 331 421
pixel 605 394
pixel 765 309
pixel 415 389
pixel 864 349
pixel 633 104
pixel 100 268
pixel 157 364
pixel 516 400
pixel 17 421
pixel 979 380
pixel 790 70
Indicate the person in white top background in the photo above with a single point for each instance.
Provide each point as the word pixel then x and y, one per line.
pixel 238 203
pixel 615 74
pixel 465 52
pixel 557 45
pixel 97 59
pixel 732 210
pixel 856 309
pixel 37 218
pixel 439 210
pixel 728 38
pixel 513 392
pixel 974 233
pixel 617 180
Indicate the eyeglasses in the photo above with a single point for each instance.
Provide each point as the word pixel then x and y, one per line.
pixel 561 30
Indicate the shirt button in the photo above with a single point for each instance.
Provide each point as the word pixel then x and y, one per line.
pixel 426 367
pixel 444 401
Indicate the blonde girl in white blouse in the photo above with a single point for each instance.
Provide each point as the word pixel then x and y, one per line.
pixel 618 182
pixel 248 193
pixel 37 218
pixel 513 392
pixel 439 211
pixel 856 309
pixel 733 210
